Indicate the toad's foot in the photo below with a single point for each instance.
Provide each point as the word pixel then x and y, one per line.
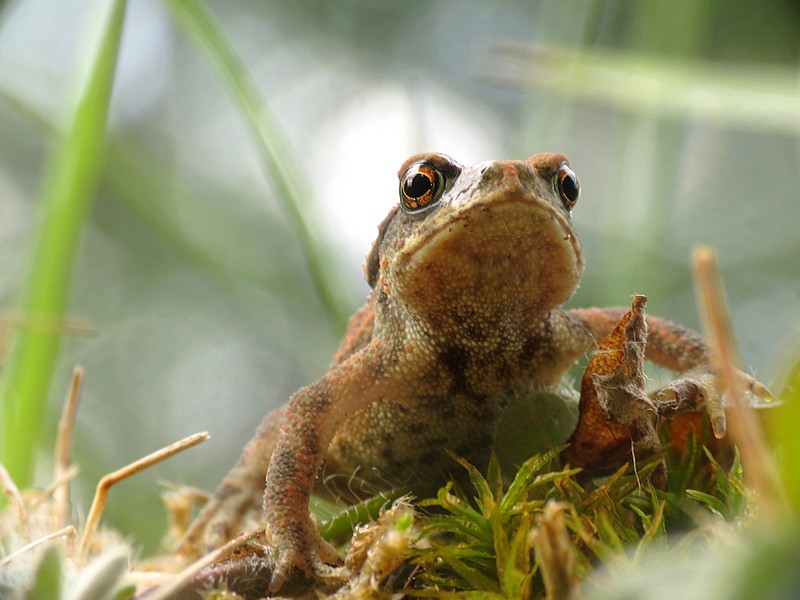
pixel 220 519
pixel 700 390
pixel 311 419
pixel 304 549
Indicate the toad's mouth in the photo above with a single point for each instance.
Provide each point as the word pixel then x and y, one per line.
pixel 502 223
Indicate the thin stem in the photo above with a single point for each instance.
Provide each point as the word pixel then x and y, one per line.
pixel 276 153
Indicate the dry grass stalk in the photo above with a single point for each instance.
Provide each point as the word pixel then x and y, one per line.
pixel 744 427
pixel 105 484
pixel 39 324
pixel 65 532
pixel 66 426
pixel 179 503
pixel 555 554
pixel 181 580
pixel 11 491
pixel 51 489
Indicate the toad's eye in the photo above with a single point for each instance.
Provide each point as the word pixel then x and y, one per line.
pixel 420 187
pixel 567 186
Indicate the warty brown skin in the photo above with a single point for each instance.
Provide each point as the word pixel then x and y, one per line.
pixel 465 311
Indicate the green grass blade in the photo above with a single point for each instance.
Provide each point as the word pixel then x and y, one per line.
pixel 451 524
pixel 341 523
pixel 715 504
pixel 275 151
pixel 66 200
pixel 485 495
pixel 470 574
pixel 526 476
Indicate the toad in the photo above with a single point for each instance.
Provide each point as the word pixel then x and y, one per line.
pixel 468 276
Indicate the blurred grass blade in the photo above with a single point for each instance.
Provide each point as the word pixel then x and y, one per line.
pixel 47 579
pixel 783 427
pixel 276 153
pixel 134 176
pixel 66 200
pixel 757 97
pixel 101 577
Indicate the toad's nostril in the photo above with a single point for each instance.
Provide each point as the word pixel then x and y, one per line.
pixel 525 172
pixel 491 172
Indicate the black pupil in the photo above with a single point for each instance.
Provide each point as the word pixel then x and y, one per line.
pixel 569 188
pixel 417 186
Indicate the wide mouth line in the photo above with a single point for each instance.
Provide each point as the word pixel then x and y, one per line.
pixel 561 219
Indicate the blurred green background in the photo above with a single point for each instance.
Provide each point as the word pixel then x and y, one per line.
pixel 680 118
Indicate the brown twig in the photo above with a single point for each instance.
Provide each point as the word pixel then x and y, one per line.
pixel 50 490
pixel 66 426
pixel 105 484
pixel 11 491
pixel 744 427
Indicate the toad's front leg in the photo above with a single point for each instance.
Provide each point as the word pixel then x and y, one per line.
pixel 312 417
